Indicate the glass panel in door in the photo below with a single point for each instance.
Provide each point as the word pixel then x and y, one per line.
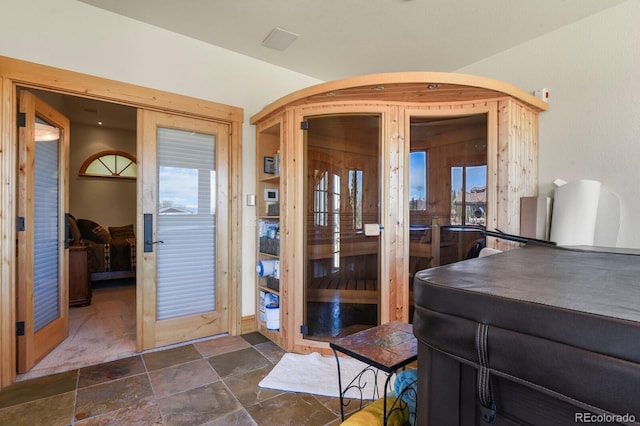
pixel 447 190
pixel 46 232
pixel 342 194
pixel 186 223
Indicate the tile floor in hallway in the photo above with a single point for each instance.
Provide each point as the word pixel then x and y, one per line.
pixel 212 382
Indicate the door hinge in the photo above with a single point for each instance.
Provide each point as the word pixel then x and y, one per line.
pixel 20 328
pixel 20 223
pixel 304 329
pixel 22 119
pixel 304 125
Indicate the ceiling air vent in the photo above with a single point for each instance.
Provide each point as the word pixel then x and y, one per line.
pixel 279 39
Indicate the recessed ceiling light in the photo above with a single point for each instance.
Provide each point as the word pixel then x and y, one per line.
pixel 46 133
pixel 279 39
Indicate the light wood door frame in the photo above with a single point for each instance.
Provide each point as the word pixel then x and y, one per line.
pixel 295 164
pixel 34 344
pixel 153 332
pixel 15 73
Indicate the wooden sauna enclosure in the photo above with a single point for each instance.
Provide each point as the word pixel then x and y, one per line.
pixel 378 177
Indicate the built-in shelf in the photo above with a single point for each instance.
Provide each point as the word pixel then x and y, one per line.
pixel 268 145
pixel 272 179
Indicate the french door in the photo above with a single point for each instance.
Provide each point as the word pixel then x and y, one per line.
pixel 43 298
pixel 184 218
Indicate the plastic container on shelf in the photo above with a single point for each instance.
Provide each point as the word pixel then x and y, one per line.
pixel 267 299
pixel 276 163
pixel 268 268
pixel 261 307
pixel 273 317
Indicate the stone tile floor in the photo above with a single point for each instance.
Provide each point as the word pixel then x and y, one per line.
pixel 212 382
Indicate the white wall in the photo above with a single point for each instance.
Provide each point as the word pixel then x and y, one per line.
pixel 75 36
pixel 592 127
pixel 109 202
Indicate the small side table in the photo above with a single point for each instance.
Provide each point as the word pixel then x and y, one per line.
pixel 388 347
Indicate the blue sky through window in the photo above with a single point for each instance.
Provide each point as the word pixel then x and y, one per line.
pixel 179 188
pixel 476 176
pixel 418 175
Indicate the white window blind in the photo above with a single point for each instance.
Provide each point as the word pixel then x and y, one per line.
pixel 46 235
pixel 186 223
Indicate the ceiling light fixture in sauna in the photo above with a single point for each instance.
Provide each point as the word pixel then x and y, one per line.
pixel 432 86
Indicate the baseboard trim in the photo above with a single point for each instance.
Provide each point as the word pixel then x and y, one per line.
pixel 248 324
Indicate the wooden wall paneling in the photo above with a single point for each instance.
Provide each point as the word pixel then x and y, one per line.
pixel 510 221
pixel 517 164
pixel 528 144
pixel 397 215
pixel 228 179
pixel 146 300
pixel 7 234
pixel 529 170
pixel 493 137
pixel 235 229
pixel 295 228
pixel 388 190
pixel 292 206
pixel 24 208
pixel 502 172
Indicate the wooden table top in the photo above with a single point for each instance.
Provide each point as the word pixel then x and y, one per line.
pixel 388 346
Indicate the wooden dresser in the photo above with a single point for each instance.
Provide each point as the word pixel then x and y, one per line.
pixel 79 284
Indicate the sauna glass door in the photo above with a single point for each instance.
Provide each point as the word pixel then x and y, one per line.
pixel 342 195
pixel 447 191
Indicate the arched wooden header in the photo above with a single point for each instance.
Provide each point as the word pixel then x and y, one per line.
pixel 422 87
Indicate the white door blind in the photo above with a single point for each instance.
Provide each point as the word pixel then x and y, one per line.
pixel 46 235
pixel 186 220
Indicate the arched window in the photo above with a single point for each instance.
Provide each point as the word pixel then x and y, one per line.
pixel 113 164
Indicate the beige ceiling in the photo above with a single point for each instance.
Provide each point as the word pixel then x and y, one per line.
pixel 343 38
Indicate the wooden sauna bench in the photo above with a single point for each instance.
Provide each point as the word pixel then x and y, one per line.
pixel 343 290
pixel 358 256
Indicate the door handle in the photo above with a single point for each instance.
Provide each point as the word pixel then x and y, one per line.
pixel 67 231
pixel 148 233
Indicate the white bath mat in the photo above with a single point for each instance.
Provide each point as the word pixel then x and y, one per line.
pixel 317 374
